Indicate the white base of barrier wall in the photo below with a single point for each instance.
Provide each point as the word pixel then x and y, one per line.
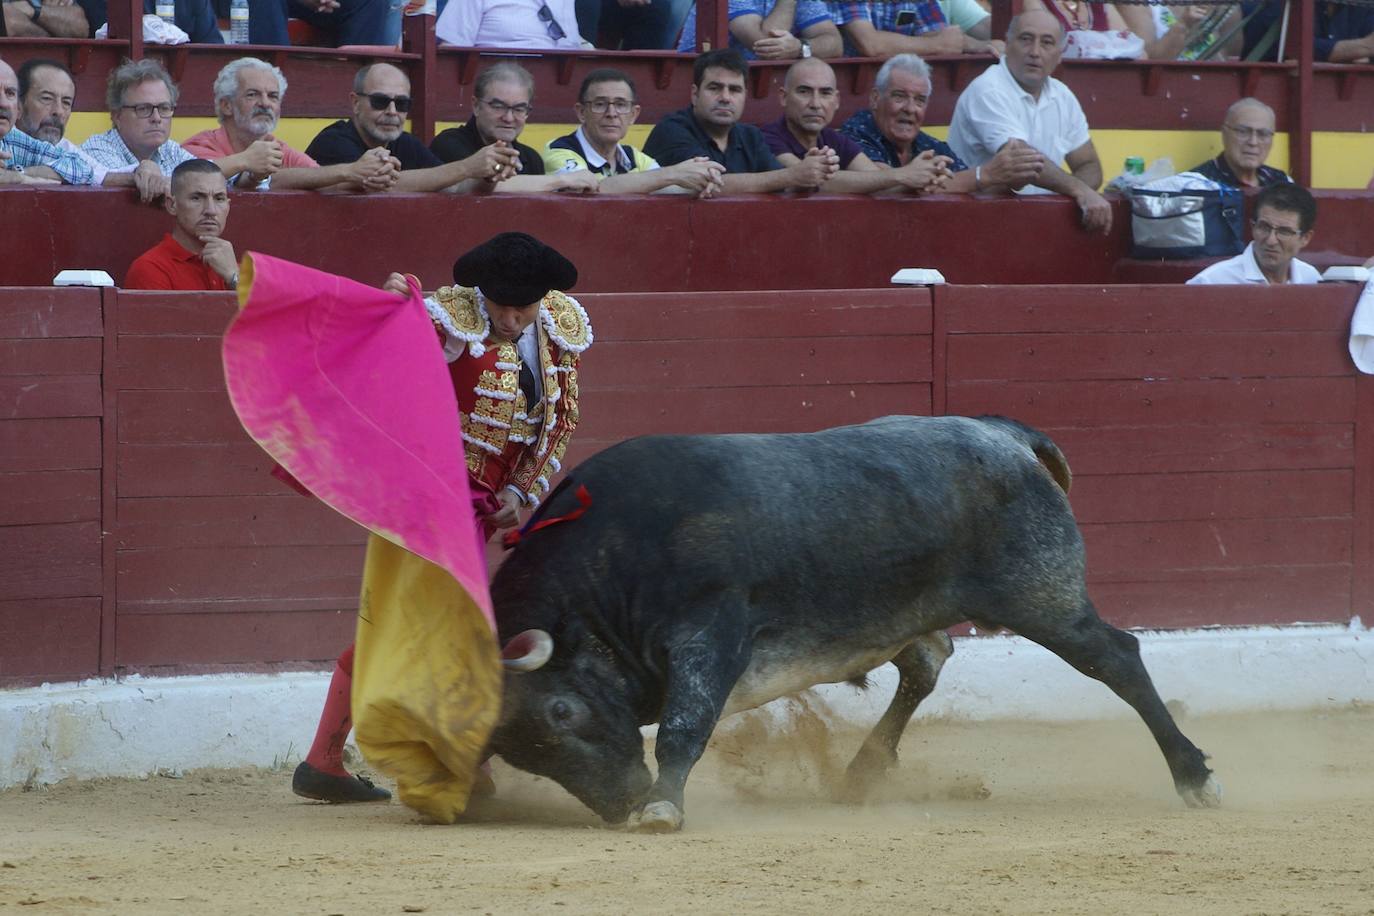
pixel 138 726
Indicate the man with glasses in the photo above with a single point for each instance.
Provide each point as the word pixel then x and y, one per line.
pixel 1284 216
pixel 1247 134
pixel 607 109
pixel 142 99
pixel 381 100
pixel 509 24
pixel 711 127
pixel 503 97
pixel 889 136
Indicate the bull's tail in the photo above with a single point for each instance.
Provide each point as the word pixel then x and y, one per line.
pixel 1046 452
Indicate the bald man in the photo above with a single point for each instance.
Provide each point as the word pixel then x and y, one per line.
pixel 1247 135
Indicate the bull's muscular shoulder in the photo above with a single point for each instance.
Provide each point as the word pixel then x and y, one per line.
pixel 566 322
pixel 455 310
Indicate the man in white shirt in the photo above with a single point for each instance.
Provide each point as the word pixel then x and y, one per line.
pixel 509 24
pixel 1282 227
pixel 1017 101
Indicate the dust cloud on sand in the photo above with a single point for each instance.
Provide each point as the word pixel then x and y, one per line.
pixel 979 817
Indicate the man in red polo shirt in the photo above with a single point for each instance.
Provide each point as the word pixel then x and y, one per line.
pixel 192 256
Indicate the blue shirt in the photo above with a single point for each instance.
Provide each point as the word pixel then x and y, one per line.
pixel 903 17
pixel 863 127
pixel 26 151
pixel 809 13
pixel 679 137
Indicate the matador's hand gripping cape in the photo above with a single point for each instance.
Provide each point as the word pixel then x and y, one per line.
pixel 343 385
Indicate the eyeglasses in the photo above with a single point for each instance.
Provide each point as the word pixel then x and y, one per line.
pixel 601 106
pixel 520 110
pixel 906 98
pixel 1283 233
pixel 551 24
pixel 380 100
pixel 1251 133
pixel 145 110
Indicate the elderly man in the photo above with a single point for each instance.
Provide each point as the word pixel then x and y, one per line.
pixel 890 136
pixel 711 127
pixel 194 255
pixel 810 98
pixel 607 109
pixel 1247 135
pixel 1284 216
pixel 24 159
pixel 248 98
pixel 503 24
pixel 1018 102
pixel 502 99
pixel 381 100
pixel 774 30
pixel 882 28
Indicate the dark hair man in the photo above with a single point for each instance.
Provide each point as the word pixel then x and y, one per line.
pixel 194 255
pixel 1282 226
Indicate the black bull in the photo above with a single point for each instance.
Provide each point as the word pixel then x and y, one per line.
pixel 712 574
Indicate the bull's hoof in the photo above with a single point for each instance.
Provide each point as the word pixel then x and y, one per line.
pixel 1207 795
pixel 656 817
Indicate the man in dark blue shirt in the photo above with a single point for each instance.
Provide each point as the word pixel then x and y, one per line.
pixel 1344 34
pixel 710 127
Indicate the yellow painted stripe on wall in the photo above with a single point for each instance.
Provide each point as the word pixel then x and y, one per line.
pixel 1340 160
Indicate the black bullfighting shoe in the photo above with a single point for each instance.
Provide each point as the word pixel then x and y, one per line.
pixel 308 782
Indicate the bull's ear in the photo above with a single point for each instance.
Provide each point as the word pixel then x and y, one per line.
pixel 527 651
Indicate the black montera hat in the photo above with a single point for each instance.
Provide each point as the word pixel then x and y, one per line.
pixel 514 268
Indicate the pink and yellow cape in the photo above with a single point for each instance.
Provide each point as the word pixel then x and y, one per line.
pixel 346 388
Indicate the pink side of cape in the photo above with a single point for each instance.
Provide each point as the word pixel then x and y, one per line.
pixel 346 387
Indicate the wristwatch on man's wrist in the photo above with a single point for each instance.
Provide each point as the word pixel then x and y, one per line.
pixel 805 48
pixel 37 10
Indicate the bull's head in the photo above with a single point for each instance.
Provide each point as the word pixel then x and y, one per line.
pixel 569 720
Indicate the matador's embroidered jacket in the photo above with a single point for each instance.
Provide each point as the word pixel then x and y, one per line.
pixel 507 442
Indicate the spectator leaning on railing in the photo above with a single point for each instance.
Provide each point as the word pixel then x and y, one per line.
pixel 248 99
pixel 711 127
pixel 381 99
pixel 633 25
pixel 61 19
pixel 141 98
pixel 25 159
pixel 503 96
pixel 607 109
pixel 889 133
pixel 1016 101
pixel 1343 33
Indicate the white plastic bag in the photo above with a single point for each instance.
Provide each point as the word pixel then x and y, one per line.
pixel 156 31
pixel 1162 167
pixel 1119 45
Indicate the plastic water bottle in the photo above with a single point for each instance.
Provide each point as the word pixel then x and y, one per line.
pixel 166 11
pixel 238 22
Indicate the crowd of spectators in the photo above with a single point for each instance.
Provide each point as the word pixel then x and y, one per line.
pixel 1015 129
pixel 766 29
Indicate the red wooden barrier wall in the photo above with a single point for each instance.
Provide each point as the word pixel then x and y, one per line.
pixel 637 243
pixel 1219 477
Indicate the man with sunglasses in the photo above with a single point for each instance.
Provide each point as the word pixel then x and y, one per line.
pixel 381 100
pixel 607 109
pixel 502 99
pixel 509 24
pixel 1284 216
pixel 1247 134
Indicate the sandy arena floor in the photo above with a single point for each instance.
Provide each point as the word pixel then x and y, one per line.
pixel 993 817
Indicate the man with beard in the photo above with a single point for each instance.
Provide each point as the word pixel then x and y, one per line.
pixel 248 98
pixel 193 256
pixel 25 159
pixel 381 101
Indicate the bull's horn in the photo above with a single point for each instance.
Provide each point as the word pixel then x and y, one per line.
pixel 527 651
